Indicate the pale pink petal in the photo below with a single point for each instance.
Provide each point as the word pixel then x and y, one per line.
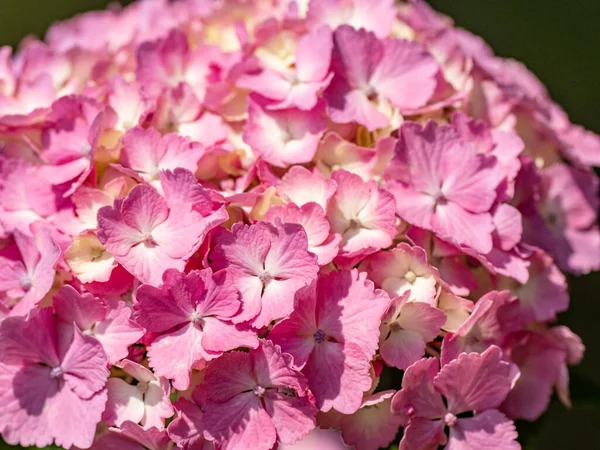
pixel 283 137
pixel 73 419
pixel 173 355
pixel 490 429
pixel 125 402
pixel 267 83
pixel 474 381
pixel 318 438
pixel 220 336
pixel 117 332
pixel 406 74
pixel 473 230
pixel 509 227
pixel 300 186
pixel 313 55
pixel 350 309
pixel 157 404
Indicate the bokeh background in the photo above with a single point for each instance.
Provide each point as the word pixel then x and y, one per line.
pixel 559 40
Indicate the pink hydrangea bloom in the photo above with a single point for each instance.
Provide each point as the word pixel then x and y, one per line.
pixel 148 233
pixel 403 269
pixel 146 402
pixel 283 137
pixel 256 399
pixel 542 358
pixel 321 241
pixel 300 86
pixel 565 223
pixel 332 335
pixel 24 281
pixel 363 214
pixel 300 186
pixel 372 427
pixel 146 153
pixel 268 265
pixel 372 77
pixel 107 320
pixel 442 184
pixel 473 382
pixel 53 382
pixel 193 314
pixel 405 330
pixel 486 326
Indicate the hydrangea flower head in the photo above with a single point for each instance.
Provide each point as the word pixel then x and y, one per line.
pixel 286 224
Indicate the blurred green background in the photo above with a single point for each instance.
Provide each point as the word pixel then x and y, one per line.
pixel 559 40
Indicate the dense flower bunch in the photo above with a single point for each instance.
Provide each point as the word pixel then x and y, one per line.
pixel 223 222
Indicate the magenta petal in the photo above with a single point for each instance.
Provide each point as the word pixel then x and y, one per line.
pixel 159 309
pixel 229 376
pixel 41 342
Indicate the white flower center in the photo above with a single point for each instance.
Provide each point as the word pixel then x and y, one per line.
pixel 142 386
pixel 259 391
pixel 450 419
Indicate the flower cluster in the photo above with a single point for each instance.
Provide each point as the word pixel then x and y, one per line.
pixel 224 222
